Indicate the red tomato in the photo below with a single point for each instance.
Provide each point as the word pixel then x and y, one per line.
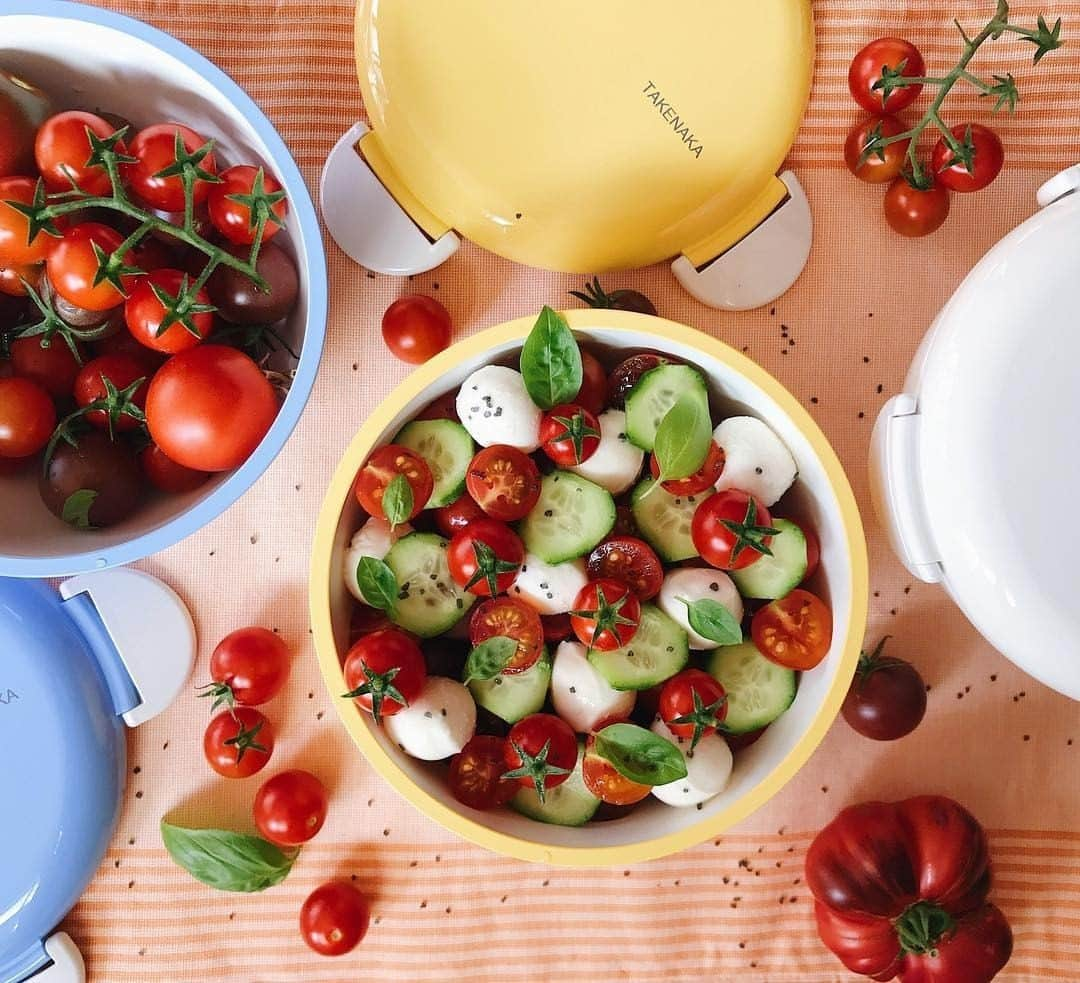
pixel 629 561
pixel 627 373
pixel 73 267
pixel 813 549
pixel 382 468
pixel 485 557
pixel 794 631
pixel 510 618
pixel 121 371
pixel 625 523
pixel 13 279
pixel 62 148
pixel 476 774
pixel 569 435
pixel 53 368
pixel 592 396
pixel 155 151
pixel 122 343
pixel 416 328
pixel 238 743
pixel 732 529
pixel 365 620
pixel 443 408
pixel 152 254
pixel 232 215
pixel 334 919
pixel 384 672
pixel 16 246
pixel 290 808
pixel 540 752
pixel 881 165
pixel 504 482
pixel 557 628
pixel 22 108
pixel 705 477
pixel 27 417
pixel 604 780
pixel 868 66
pixel 915 212
pixel 208 408
pixel 166 475
pixel 988 156
pixel 606 615
pixel 693 704
pixel 249 667
pixel 154 316
pixel 457 515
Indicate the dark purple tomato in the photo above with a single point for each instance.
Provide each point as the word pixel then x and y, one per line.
pixel 887 698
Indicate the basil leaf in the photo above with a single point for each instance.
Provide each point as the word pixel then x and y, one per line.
pixel 490 658
pixel 227 861
pixel 397 500
pixel 711 620
pixel 76 511
pixel 683 437
pixel 640 755
pixel 377 583
pixel 551 361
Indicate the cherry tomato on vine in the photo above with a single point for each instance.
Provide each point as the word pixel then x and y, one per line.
pixel 705 477
pixel 887 698
pixel 916 212
pixel 53 368
pixel 504 482
pixel 27 417
pixel 166 475
pixel 334 919
pixel 238 743
pixel 121 371
pixel 605 782
pixel 230 204
pixel 13 279
pixel 606 615
pixel 885 56
pixel 476 774
pixel 987 158
pixel 416 328
pixel 72 267
pixel 881 165
pixel 540 752
pixel 794 631
pixel 629 561
pixel 290 808
pixel 62 149
pixel 16 247
pixel 249 667
pixel 152 314
pixel 152 254
pixel 454 517
pixel 384 672
pixel 380 470
pixel 155 151
pixel 693 704
pixel 510 618
pixel 569 435
pixel 485 557
pixel 592 396
pixel 732 529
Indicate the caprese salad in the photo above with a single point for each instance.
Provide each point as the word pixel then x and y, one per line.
pixel 555 579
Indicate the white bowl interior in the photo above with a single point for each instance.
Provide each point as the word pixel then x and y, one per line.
pixel 812 499
pixel 92 66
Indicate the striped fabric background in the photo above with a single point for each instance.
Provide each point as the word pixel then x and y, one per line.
pixel 732 910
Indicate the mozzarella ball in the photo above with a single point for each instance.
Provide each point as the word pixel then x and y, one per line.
pixel 437 724
pixel 580 695
pixel 708 769
pixel 755 459
pixel 549 588
pixel 495 408
pixel 374 538
pixel 616 463
pixel 694 584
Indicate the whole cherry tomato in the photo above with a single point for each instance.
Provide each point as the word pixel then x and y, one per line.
pixel 27 417
pixel 155 150
pixel 881 165
pixel 540 752
pixel 485 557
pixel 161 316
pixel 794 631
pixel 23 108
pixel 93 382
pixel 504 482
pixel 416 328
pixel 243 188
pixel 569 435
pixel 606 615
pixel 693 704
pixel 705 477
pixel 290 808
pixel 732 529
pixel 987 158
pixel 885 57
pixel 334 919
pixel 509 618
pixel 813 549
pixel 17 249
pixel 238 743
pixel 629 561
pixel 54 368
pixel 249 667
pixel 166 475
pixel 476 774
pixel 916 212
pixel 63 147
pixel 592 396
pixel 887 698
pixel 73 268
pixel 457 515
pixel 382 470
pixel 384 672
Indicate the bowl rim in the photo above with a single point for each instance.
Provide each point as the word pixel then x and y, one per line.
pixel 302 211
pixel 504 843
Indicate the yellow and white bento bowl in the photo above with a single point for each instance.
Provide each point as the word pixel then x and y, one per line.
pixel 821 495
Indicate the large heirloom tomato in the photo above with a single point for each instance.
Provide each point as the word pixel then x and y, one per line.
pixel 900 891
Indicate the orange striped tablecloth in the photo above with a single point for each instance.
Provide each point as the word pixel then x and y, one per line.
pixel 732 910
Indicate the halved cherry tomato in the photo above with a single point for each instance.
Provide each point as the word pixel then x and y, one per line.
pixel 384 672
pixel 334 919
pixel 627 373
pixel 987 158
pixel 290 808
pixel 16 246
pixel 72 267
pixel 166 475
pixel 606 615
pixel 540 752
pixel 154 316
pixel 120 371
pixel 476 774
pixel 916 212
pixel 605 782
pixel 510 618
pixel 794 631
pixel 569 434
pixel 557 628
pixel 232 215
pixel 485 557
pixel 53 368
pixel 416 328
pixel 504 482
pixel 693 704
pixel 628 560
pixel 238 742
pixel 868 66
pixel 592 396
pixel 454 517
pixel 155 151
pixel 27 417
pixel 62 149
pixel 732 529
pixel 705 477
pixel 881 165
pixel 383 467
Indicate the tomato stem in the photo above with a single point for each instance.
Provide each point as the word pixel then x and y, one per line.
pixel 921 926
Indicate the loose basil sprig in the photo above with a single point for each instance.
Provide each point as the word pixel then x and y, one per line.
pixel 713 621
pixel 397 500
pixel 228 861
pixel 551 361
pixel 683 438
pixel 377 583
pixel 640 755
pixel 490 658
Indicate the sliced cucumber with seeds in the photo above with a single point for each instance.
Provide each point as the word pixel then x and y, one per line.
pixel 758 690
pixel 570 518
pixel 429 602
pixel 513 696
pixel 568 804
pixel 665 519
pixel 653 395
pixel 775 576
pixel 447 448
pixel 658 650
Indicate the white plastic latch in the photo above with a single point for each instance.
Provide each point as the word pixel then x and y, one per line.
pixel 367 222
pixel 1061 184
pixel 67 962
pixel 151 629
pixel 760 266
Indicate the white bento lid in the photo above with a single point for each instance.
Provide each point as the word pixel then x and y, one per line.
pixel 975 467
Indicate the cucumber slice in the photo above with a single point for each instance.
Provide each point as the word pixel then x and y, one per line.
pixel 658 650
pixel 429 602
pixel 570 518
pixel 515 695
pixel 653 395
pixel 447 448
pixel 758 690
pixel 664 519
pixel 568 804
pixel 777 575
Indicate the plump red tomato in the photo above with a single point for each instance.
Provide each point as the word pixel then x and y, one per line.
pixel 27 417
pixel 881 165
pixel 384 672
pixel 17 249
pixel 557 628
pixel 628 560
pixel 154 316
pixel 62 148
pixel 454 517
pixel 705 477
pixel 290 808
pixel 510 618
pixel 208 408
pixel 731 530
pixel 915 212
pixel 121 371
pixel 476 774
pixel 416 328
pixel 569 435
pixel 626 374
pixel 53 368
pixel 813 549
pixel 485 557
pixel 232 215
pixel 334 919
pixel 155 151
pixel 794 631
pixel 249 667
pixel 386 464
pixel 504 482
pixel 72 267
pixel 540 752
pixel 604 780
pixel 867 68
pixel 693 704
pixel 606 615
pixel 238 743
pixel 988 156
pixel 592 396
pixel 13 279
pixel 166 475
